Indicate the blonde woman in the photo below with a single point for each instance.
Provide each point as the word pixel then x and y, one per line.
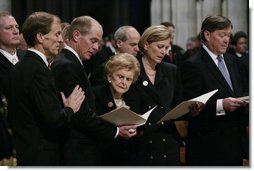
pixel 158 84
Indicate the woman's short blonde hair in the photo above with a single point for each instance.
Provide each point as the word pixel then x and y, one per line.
pixel 153 34
pixel 123 61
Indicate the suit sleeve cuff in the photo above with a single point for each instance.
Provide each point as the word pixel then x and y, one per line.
pixel 219 108
pixel 117 132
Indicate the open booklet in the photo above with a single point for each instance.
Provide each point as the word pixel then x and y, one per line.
pixel 124 116
pixel 184 107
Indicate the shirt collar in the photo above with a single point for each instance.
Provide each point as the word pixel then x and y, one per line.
pixel 212 55
pixel 43 57
pixel 74 52
pixel 9 56
pixel 238 54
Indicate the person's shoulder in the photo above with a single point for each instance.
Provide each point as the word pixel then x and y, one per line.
pixel 61 59
pixel 99 89
pixel 177 48
pixel 245 58
pixel 31 61
pixel 104 54
pixel 168 67
pixel 229 56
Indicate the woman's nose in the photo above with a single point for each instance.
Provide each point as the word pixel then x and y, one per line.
pixel 124 80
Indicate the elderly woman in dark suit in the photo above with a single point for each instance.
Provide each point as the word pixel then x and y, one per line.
pixel 122 70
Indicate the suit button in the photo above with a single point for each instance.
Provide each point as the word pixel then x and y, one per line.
pixel 164 156
pixel 164 140
pixel 110 104
pixel 150 141
pixel 151 157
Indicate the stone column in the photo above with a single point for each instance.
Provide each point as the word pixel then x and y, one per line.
pixel 187 15
pixel 237 13
pixel 5 5
pixel 185 19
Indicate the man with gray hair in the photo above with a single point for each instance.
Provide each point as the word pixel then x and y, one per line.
pixel 9 40
pixel 81 143
pixel 127 38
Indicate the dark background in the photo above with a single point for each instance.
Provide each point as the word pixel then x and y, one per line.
pixel 110 13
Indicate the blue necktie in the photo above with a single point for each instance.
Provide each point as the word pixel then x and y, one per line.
pixel 223 70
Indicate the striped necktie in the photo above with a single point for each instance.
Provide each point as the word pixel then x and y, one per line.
pixel 223 70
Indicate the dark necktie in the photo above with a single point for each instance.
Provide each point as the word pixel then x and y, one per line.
pixel 223 70
pixel 170 56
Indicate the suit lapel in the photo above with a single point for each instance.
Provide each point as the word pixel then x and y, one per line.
pixel 5 62
pixel 211 67
pixel 107 98
pixel 83 76
pixel 147 85
pixel 232 69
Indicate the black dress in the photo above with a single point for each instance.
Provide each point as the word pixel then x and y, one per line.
pixel 120 152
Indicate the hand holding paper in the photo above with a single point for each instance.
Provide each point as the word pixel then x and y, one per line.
pixel 124 116
pixel 184 107
pixel 245 99
pixel 196 108
pixel 127 131
pixel 231 104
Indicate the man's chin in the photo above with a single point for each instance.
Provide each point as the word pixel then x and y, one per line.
pixel 85 58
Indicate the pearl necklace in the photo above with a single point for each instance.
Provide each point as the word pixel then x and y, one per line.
pixel 119 102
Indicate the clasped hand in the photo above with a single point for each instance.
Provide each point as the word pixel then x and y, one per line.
pixel 127 131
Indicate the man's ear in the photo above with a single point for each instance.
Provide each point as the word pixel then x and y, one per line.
pixel 207 35
pixel 118 43
pixel 76 35
pixel 40 37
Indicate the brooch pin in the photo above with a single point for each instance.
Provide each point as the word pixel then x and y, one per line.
pixel 110 104
pixel 145 83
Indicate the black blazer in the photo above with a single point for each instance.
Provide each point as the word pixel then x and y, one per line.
pixel 212 139
pixel 120 152
pixel 159 144
pixel 6 144
pixel 35 113
pixel 98 64
pixel 5 70
pixel 87 130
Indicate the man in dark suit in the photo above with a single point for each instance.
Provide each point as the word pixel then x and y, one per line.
pixel 9 40
pixel 88 131
pixel 35 112
pixel 215 136
pixel 174 53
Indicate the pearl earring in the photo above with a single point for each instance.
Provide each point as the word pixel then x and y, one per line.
pixel 109 81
